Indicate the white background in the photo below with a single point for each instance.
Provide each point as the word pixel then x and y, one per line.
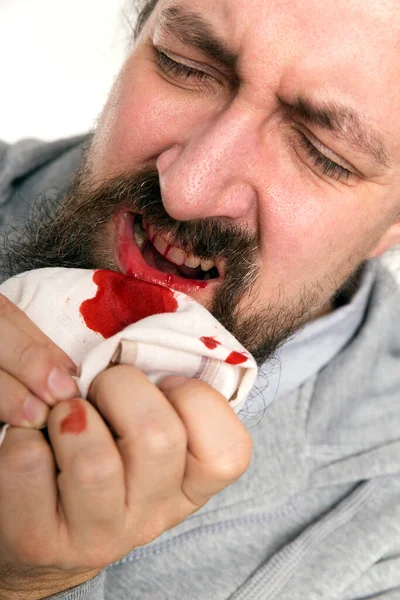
pixel 58 61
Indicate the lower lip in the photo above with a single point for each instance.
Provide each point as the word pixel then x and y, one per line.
pixel 131 263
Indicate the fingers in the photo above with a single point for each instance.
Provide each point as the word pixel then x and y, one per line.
pixel 35 368
pixel 18 406
pixel 174 449
pixel 40 554
pixel 13 314
pixel 28 494
pixel 91 478
pixel 179 447
pixel 151 437
pixel 219 447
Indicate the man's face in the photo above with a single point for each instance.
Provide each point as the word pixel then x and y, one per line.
pixel 277 121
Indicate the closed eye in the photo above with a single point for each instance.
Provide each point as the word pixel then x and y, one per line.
pixel 324 164
pixel 170 67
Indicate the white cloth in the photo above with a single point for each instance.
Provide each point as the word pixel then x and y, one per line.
pixel 190 342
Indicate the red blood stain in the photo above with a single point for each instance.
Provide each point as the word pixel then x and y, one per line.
pixel 236 358
pixel 210 342
pixel 168 248
pixel 76 422
pixel 121 301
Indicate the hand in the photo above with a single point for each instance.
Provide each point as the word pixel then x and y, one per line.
pixel 34 372
pixel 172 449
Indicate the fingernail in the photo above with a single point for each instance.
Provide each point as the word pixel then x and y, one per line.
pixel 35 411
pixel 169 383
pixel 61 384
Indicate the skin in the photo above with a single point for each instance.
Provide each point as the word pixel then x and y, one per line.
pixel 221 151
pixel 230 152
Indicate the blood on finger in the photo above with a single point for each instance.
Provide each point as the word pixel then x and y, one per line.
pixel 76 422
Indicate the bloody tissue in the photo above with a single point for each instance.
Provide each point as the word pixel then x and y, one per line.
pixel 210 342
pixel 121 301
pixel 236 358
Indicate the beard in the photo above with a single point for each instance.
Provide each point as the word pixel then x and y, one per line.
pixel 72 232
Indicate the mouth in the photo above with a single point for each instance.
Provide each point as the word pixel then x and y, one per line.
pixel 143 253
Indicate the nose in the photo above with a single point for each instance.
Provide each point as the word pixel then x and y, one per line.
pixel 209 173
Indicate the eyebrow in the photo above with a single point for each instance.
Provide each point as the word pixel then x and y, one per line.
pixel 346 123
pixel 192 30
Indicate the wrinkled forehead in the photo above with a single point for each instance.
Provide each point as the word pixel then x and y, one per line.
pixel 346 50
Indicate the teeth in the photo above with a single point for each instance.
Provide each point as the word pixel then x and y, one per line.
pixel 159 244
pixel 171 253
pixel 175 255
pixel 206 265
pixel 192 261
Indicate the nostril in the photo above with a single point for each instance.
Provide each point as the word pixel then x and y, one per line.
pixel 193 187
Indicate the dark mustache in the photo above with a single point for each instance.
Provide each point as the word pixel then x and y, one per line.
pixel 208 238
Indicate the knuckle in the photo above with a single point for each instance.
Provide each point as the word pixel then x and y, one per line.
pixel 25 354
pixel 56 353
pixel 96 469
pixel 230 465
pixel 12 400
pixel 30 455
pixel 158 440
pixel 224 470
pixel 112 381
pixel 110 377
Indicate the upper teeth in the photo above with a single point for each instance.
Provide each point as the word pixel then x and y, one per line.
pixel 172 253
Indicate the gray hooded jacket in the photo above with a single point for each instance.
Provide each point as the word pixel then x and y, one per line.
pixel 317 515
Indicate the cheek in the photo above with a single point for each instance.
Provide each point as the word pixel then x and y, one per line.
pixel 307 236
pixel 143 117
pixel 130 129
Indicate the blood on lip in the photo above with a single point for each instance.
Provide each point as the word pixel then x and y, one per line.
pixel 152 234
pixel 131 262
pixel 151 238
